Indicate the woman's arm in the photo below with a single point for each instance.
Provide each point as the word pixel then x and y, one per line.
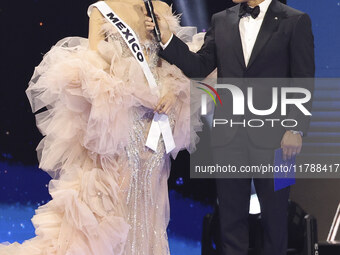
pixel 94 29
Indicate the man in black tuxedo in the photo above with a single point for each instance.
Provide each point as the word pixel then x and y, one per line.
pixel 254 39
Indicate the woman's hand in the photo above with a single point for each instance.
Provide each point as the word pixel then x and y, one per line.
pixel 162 23
pixel 166 104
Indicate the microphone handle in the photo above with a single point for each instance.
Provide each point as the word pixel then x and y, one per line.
pixel 151 14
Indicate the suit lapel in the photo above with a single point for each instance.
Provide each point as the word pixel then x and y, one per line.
pixel 236 37
pixel 269 26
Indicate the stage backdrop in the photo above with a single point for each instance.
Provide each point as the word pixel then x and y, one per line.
pixel 321 197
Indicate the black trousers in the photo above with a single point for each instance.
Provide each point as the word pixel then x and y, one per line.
pixel 234 197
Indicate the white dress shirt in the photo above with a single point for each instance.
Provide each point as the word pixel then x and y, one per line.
pixel 249 29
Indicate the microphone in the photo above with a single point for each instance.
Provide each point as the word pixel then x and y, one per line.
pixel 152 15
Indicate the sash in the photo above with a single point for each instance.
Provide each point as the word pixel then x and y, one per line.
pixel 160 124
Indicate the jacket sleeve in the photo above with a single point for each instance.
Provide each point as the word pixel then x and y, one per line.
pixel 302 61
pixel 193 65
pixel 302 67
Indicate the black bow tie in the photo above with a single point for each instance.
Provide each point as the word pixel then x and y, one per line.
pixel 246 9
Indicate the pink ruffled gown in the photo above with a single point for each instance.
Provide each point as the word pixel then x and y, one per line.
pixel 110 193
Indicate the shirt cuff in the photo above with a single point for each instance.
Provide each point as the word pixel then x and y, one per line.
pixel 167 43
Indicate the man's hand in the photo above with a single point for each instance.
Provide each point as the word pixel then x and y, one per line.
pixel 166 103
pixel 291 145
pixel 162 23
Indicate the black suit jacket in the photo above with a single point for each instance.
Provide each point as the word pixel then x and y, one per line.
pixel 284 49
